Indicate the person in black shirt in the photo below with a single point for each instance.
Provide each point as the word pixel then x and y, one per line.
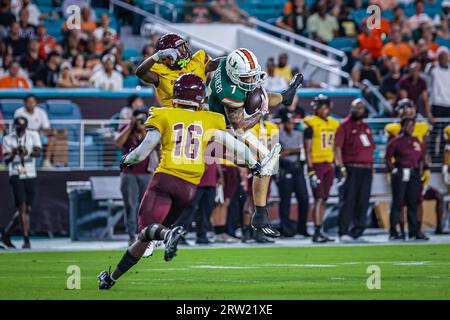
pixel 15 41
pixel 6 16
pixel 31 60
pixel 26 30
pixel 48 75
pixel 389 84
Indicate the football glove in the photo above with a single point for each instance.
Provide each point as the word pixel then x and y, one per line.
pixel 313 179
pixel 166 53
pixel 289 94
pixel 124 165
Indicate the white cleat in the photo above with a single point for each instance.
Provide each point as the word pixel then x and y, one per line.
pixel 150 248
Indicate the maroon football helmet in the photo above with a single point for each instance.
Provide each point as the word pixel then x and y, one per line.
pixel 174 41
pixel 189 91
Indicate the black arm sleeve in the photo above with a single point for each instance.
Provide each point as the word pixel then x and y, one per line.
pixel 308 133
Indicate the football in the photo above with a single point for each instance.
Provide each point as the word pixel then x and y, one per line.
pixel 253 101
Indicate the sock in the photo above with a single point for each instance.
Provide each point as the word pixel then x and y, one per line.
pixel 317 229
pixel 220 229
pixel 261 210
pixel 26 239
pixel 127 262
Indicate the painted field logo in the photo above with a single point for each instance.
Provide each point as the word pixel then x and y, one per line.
pixel 374 280
pixel 74 280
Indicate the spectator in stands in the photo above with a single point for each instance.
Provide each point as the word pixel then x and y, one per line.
pixel 34 14
pixel 440 92
pixel 419 15
pixel 366 70
pixel 294 111
pixel 93 59
pixel 291 179
pixel 48 75
pixel 389 84
pixel 347 25
pixel 13 80
pixel 20 149
pixel 134 180
pixel 283 69
pixel 197 11
pixel 294 17
pixel 134 102
pixel 2 131
pixel 6 16
pixel 104 26
pixel 442 21
pixel 322 26
pixel 229 12
pixel 354 146
pixel 397 48
pixel 273 83
pixel 38 121
pixel 107 78
pixel 401 20
pixel 27 30
pixel 369 40
pixel 18 44
pixel 414 87
pixel 66 78
pixel 384 4
pixel 88 24
pixel 46 42
pixel 79 70
pixel 425 51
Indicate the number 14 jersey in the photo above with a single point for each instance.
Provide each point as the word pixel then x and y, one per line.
pixel 324 132
pixel 184 136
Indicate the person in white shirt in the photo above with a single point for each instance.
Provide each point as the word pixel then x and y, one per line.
pixel 34 14
pixel 38 121
pixel 20 150
pixel 273 82
pixel 440 93
pixel 419 17
pixel 104 26
pixel 133 103
pixel 107 78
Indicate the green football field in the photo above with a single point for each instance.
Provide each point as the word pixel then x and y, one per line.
pixel 340 272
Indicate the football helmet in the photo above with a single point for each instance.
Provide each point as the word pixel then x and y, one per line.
pixel 320 100
pixel 243 69
pixel 174 41
pixel 189 90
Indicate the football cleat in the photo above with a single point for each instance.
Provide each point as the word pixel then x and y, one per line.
pixel 7 241
pixel 420 237
pixel 150 248
pixel 105 281
pixel 260 222
pixel 289 94
pixel 172 239
pixel 319 237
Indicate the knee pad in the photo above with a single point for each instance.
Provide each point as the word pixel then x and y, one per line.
pixel 153 231
pixel 270 164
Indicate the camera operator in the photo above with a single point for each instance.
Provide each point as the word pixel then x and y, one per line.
pixel 134 179
pixel 20 148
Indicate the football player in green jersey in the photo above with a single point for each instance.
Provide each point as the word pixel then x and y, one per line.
pixel 237 75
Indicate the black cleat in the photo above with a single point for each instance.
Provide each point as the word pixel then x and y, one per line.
pixel 397 237
pixel 261 238
pixel 203 241
pixel 420 237
pixel 173 237
pixel 289 94
pixel 319 237
pixel 7 241
pixel 105 281
pixel 260 222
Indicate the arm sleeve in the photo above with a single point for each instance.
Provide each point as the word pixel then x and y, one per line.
pixel 151 140
pixel 308 133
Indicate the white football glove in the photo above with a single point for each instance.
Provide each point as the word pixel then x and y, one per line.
pixel 166 53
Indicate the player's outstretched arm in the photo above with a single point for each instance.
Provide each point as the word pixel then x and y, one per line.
pixel 239 123
pixel 151 140
pixel 143 70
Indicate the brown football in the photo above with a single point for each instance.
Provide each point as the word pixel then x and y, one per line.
pixel 253 101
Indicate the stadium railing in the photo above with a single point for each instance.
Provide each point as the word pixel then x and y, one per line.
pixel 89 144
